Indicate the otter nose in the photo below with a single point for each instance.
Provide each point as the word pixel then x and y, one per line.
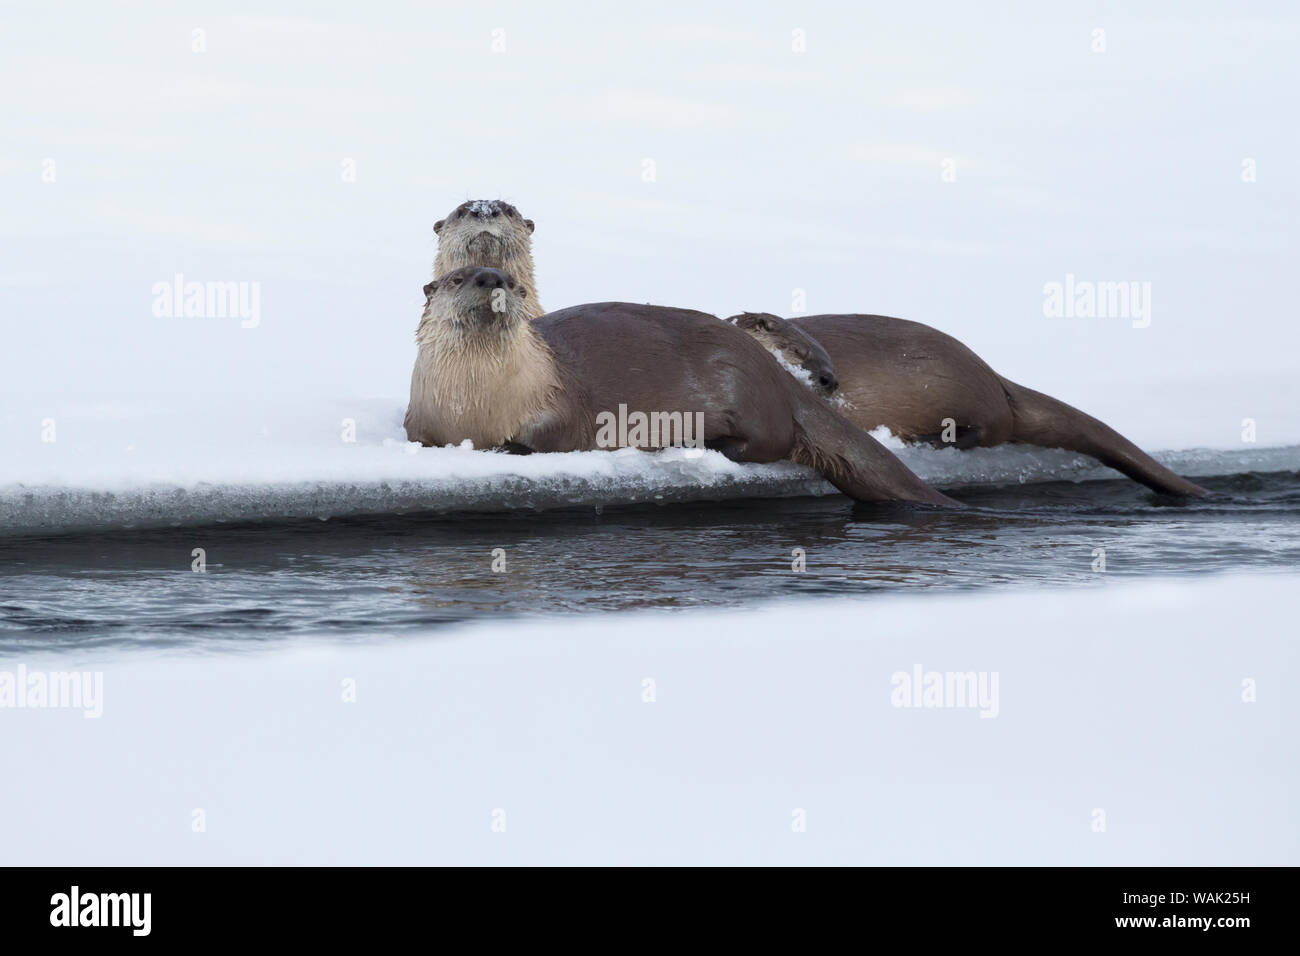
pixel 490 279
pixel 828 382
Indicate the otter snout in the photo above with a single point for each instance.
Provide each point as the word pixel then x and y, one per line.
pixel 484 208
pixel 498 214
pixel 828 384
pixel 492 279
pixel 478 296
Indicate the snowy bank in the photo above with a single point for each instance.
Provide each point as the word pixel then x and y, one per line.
pixel 95 465
pixel 1143 723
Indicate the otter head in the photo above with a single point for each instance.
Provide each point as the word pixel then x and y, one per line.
pixel 482 232
pixel 492 233
pixel 801 354
pixel 472 301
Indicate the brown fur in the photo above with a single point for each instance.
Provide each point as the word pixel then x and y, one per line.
pixel 801 355
pixel 909 378
pixel 489 232
pixel 499 379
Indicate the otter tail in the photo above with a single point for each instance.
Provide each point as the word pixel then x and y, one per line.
pixel 854 462
pixel 1043 420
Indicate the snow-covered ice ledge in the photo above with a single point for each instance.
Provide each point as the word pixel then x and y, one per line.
pixel 101 466
pixel 459 481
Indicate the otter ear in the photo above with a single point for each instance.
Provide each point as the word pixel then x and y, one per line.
pixel 766 324
pixel 437 226
pixel 529 224
pixel 430 289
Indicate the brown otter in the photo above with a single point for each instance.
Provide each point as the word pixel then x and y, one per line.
pixel 801 355
pixel 911 378
pixel 488 232
pixel 493 233
pixel 486 373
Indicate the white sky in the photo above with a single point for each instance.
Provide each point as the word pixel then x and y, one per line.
pixel 775 171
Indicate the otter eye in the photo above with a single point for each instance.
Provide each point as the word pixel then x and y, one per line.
pixel 457 281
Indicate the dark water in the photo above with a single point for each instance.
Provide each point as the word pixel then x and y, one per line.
pixel 367 579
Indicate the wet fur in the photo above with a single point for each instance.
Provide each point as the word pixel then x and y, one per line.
pixel 592 358
pixel 460 244
pixel 908 377
pixel 478 375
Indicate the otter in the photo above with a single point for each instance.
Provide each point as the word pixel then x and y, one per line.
pixel 493 233
pixel 487 372
pixel 909 378
pixel 801 355
pixel 489 232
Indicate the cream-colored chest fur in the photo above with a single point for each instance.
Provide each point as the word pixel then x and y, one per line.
pixel 486 388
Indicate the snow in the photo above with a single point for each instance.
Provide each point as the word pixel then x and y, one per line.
pixel 1124 698
pixel 329 222
pixel 801 374
pixel 180 460
pixel 184 463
